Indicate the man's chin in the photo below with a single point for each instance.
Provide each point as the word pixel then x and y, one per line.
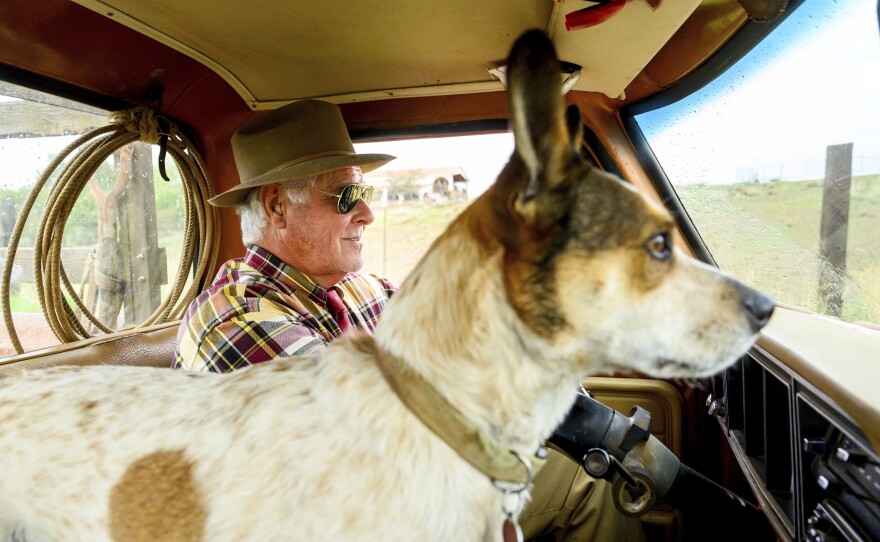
pixel 353 265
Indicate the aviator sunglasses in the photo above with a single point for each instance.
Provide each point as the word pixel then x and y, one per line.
pixel 349 196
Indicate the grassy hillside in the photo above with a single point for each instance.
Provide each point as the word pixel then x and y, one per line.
pixel 411 227
pixel 768 235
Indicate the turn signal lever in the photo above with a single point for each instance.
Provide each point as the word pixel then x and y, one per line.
pixel 622 450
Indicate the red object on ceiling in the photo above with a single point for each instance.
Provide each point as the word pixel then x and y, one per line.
pixel 593 15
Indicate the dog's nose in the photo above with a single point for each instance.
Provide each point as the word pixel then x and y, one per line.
pixel 758 306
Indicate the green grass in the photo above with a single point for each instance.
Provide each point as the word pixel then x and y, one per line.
pixel 25 299
pixel 768 235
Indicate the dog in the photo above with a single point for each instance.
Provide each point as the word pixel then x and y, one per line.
pixel 558 271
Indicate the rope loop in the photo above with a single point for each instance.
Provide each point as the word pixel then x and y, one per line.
pixel 62 304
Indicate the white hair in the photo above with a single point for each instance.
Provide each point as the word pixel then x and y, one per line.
pixel 253 217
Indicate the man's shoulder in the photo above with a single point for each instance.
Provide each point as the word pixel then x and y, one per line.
pixel 239 291
pixel 238 275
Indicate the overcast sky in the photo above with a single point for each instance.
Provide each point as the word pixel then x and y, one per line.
pixel 779 111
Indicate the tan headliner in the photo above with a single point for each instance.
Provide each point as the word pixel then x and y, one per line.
pixel 273 52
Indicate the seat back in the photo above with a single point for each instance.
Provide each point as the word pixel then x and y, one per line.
pixel 147 347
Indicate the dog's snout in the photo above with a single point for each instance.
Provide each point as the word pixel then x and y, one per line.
pixel 758 306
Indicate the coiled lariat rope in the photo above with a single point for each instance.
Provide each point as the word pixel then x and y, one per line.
pixel 89 152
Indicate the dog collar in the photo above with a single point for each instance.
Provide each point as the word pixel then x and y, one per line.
pixel 487 455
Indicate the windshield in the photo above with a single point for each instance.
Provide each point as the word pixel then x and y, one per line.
pixel 777 161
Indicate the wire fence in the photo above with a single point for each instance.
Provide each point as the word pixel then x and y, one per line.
pixel 802 170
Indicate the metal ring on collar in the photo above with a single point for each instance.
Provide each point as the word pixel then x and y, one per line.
pixel 522 487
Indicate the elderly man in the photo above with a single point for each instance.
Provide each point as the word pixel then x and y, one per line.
pixel 304 206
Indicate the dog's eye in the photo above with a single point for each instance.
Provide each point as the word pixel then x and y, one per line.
pixel 658 246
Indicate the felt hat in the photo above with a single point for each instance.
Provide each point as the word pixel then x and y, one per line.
pixel 298 140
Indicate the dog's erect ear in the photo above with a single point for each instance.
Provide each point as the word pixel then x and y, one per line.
pixel 540 126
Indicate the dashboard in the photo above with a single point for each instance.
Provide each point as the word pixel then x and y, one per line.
pixel 805 441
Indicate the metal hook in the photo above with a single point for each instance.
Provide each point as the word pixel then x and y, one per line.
pixel 522 487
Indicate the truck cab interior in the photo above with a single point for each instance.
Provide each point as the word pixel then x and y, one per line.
pixel 752 121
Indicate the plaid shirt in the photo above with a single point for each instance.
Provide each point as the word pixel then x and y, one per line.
pixel 259 308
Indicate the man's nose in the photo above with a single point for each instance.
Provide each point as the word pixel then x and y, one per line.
pixel 363 213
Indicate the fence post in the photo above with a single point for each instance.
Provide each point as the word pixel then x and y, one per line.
pixel 834 226
pixel 145 262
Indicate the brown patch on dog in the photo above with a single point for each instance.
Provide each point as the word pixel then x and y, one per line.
pixel 494 225
pixel 281 367
pixel 157 499
pixel 85 421
pixel 364 344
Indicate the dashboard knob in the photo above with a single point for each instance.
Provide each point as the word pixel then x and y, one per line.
pixel 850 456
pixel 818 527
pixel 813 446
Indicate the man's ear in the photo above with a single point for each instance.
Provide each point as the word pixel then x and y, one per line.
pixel 274 202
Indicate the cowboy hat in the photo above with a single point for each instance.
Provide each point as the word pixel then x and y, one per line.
pixel 298 140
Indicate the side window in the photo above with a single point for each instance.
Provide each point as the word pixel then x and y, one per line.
pixel 422 191
pixel 105 257
pixel 777 161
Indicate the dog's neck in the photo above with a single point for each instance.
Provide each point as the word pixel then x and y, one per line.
pixel 452 323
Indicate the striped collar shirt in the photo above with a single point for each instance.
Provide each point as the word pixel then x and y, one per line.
pixel 259 308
